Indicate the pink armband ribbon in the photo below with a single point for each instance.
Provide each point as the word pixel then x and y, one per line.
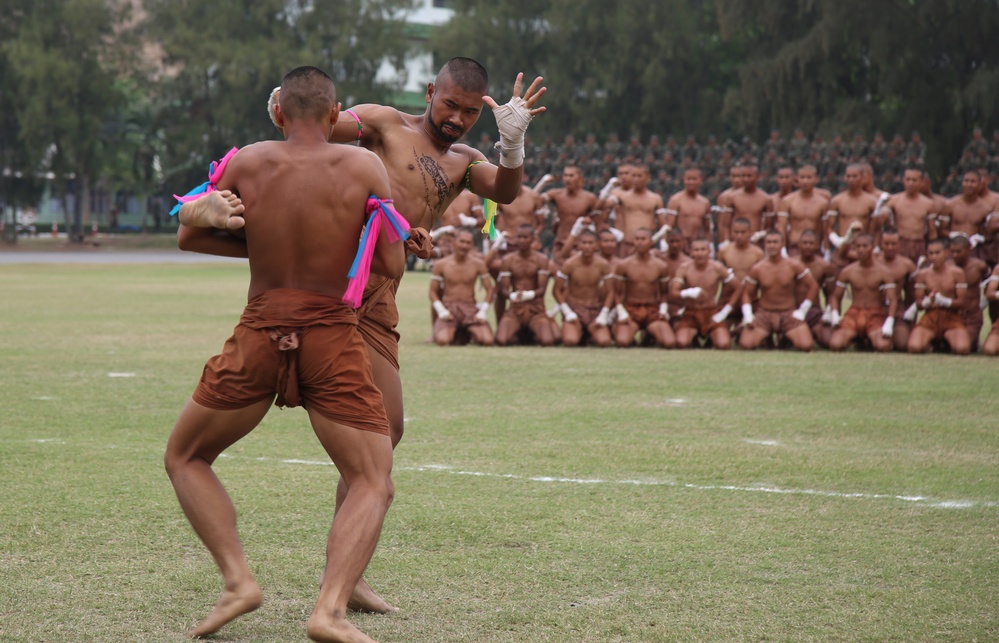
pixel 215 171
pixel 381 213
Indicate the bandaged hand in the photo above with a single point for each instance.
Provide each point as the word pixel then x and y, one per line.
pixel 582 223
pixel 802 310
pixel 483 313
pixel 419 243
pixel 664 311
pixel 888 328
pixel 827 315
pixel 622 313
pixel 759 234
pixel 910 313
pixel 441 231
pixel 442 311
pixel 660 233
pixel 512 120
pixel 568 314
pixel 691 293
pixel 747 314
pixel 617 234
pixel 722 314
pixel 942 302
pixel 467 221
pixel 835 319
pixel 603 317
pixel 606 190
pixel 520 296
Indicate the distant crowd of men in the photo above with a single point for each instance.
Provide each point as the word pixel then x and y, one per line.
pixel 907 271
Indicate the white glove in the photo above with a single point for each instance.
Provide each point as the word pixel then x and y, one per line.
pixel 467 221
pixel 691 293
pixel 622 313
pixel 483 311
pixel 664 311
pixel 835 319
pixel 836 240
pixel 545 180
pixel 442 311
pixel 618 235
pixel 722 314
pixel 941 301
pixel 512 120
pixel 606 190
pixel 568 314
pixel 603 317
pixel 519 296
pixel 802 311
pixel 579 226
pixel 927 301
pixel 827 315
pixel 551 312
pixel 910 313
pixel 272 101
pixel 660 233
pixel 747 314
pixel 888 327
pixel 440 232
pixel 500 241
pixel 759 234
pixel 976 239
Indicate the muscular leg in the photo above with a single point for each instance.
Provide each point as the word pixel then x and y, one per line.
pixel 959 341
pixel 443 334
pixel 841 338
pixel 991 345
pixel 685 337
pixel 541 327
pixel 801 337
pixel 900 338
pixel 506 330
pixel 624 333
pixel 822 334
pixel 919 340
pixel 572 333
pixel 663 333
pixel 387 380
pixel 880 343
pixel 721 339
pixel 750 338
pixel 198 438
pixel 599 335
pixel 482 334
pixel 364 460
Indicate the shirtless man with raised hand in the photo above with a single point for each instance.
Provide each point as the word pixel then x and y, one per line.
pixel 975 272
pixel 913 215
pixel 801 210
pixel 619 184
pixel 572 203
pixel 427 170
pixel 688 209
pixel 774 279
pixel 871 285
pixel 452 294
pixel 637 208
pixel 902 270
pixel 709 293
pixel 638 295
pixel 581 290
pixel 965 214
pixel 523 281
pixel 301 206
pixel 852 204
pixel 941 290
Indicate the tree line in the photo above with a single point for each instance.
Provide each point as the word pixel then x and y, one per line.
pixel 102 97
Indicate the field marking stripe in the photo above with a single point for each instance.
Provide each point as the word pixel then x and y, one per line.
pixel 443 468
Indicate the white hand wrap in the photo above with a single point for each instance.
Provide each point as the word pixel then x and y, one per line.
pixel 910 313
pixel 545 180
pixel 440 232
pixel 606 190
pixel 603 317
pixel 747 314
pixel 941 301
pixel 554 310
pixel 827 315
pixel 618 235
pixel 622 313
pixel 691 293
pixel 835 319
pixel 976 239
pixel 888 328
pixel 568 314
pixel 722 314
pixel 483 311
pixel 579 226
pixel 500 241
pixel 802 311
pixel 664 311
pixel 526 295
pixel 660 233
pixel 836 240
pixel 442 311
pixel 512 120
pixel 467 221
pixel 759 234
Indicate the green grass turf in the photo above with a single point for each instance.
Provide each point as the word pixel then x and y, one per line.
pixel 542 494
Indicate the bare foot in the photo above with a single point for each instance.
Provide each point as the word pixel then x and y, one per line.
pixel 232 603
pixel 327 629
pixel 219 209
pixel 364 599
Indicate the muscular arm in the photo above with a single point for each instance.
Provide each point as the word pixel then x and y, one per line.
pixel 436 283
pixel 211 241
pixel 389 259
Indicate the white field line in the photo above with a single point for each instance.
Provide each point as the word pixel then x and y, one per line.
pixel 443 468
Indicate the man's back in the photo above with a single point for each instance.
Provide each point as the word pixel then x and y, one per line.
pixel 305 209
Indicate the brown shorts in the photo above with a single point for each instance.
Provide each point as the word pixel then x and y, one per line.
pixel 303 347
pixel 973 321
pixel 912 248
pixel 864 320
pixel 378 316
pixel 587 314
pixel 814 317
pixel 775 321
pixel 527 312
pixel 940 320
pixel 643 314
pixel 462 316
pixel 700 320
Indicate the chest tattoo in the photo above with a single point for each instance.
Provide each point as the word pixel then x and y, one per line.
pixel 437 188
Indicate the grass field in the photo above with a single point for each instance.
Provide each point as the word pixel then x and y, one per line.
pixel 542 495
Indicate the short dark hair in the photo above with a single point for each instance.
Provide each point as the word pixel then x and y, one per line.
pixel 307 93
pixel 469 75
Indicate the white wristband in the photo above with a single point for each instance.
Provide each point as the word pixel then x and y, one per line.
pixel 441 310
pixel 622 313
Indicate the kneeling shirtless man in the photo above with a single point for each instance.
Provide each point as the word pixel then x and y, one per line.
pixel 697 284
pixel 580 289
pixel 641 284
pixel 871 283
pixel 452 294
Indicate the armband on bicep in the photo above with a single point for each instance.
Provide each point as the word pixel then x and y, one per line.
pixel 840 284
pixel 360 125
pixel 888 285
pixel 804 273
